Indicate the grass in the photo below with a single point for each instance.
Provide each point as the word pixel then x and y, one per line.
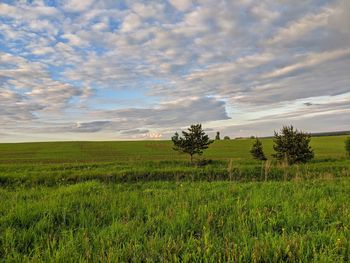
pixel 187 222
pixel 143 202
pixel 72 162
pixel 126 151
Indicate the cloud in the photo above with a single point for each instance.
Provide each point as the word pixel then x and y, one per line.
pixel 120 68
pixel 310 61
pixel 74 40
pixel 181 5
pixel 135 132
pixel 76 5
pixel 27 11
pixel 175 113
pixel 93 126
pixel 128 121
pixel 297 29
pixel 28 88
pixel 131 22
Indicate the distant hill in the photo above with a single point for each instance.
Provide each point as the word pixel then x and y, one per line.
pixel 331 133
pixel 314 134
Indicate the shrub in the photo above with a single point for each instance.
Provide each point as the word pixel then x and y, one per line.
pixel 227 138
pixel 292 146
pixel 257 150
pixel 347 146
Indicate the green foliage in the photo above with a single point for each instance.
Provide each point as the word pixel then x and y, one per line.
pixel 217 137
pixel 193 142
pixel 347 146
pixel 227 138
pixel 257 150
pixel 292 146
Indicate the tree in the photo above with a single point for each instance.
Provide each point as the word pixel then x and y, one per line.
pixel 257 150
pixel 292 145
pixel 227 138
pixel 192 142
pixel 347 146
pixel 217 137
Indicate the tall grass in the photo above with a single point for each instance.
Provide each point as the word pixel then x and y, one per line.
pixel 59 174
pixel 178 222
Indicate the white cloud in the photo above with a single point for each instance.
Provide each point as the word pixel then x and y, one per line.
pixel 76 5
pixel 181 5
pixel 131 22
pixel 106 66
pixel 74 39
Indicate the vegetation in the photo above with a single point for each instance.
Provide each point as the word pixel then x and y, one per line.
pixel 347 146
pixel 140 201
pixel 227 138
pixel 294 221
pixel 62 153
pixel 193 142
pixel 57 163
pixel 257 151
pixel 217 137
pixel 293 146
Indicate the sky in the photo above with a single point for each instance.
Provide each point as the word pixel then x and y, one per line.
pixel 130 70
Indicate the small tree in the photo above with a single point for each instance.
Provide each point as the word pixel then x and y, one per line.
pixel 293 146
pixel 217 137
pixel 227 138
pixel 192 142
pixel 347 146
pixel 257 150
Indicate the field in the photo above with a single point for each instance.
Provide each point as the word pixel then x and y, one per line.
pixel 143 202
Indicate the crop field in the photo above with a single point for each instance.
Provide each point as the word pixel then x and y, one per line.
pixel 143 202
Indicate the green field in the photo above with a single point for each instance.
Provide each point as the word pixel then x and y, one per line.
pixel 68 152
pixel 143 202
pixel 71 162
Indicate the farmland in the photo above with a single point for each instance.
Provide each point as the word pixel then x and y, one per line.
pixel 141 201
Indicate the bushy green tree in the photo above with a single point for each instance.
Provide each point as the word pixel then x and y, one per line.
pixel 217 137
pixel 257 150
pixel 347 146
pixel 192 142
pixel 292 146
pixel 227 138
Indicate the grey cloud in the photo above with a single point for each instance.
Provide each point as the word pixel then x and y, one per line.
pixel 135 131
pixel 311 109
pixel 128 121
pixel 14 107
pixel 308 104
pixel 320 123
pixel 182 112
pixel 93 126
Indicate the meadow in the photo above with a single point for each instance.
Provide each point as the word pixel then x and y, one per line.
pixel 143 202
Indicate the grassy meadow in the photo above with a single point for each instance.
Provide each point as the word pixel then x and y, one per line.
pixel 143 202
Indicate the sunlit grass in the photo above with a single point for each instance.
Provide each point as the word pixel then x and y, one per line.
pixel 141 201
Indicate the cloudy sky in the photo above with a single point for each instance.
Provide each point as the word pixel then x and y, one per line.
pixel 113 70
